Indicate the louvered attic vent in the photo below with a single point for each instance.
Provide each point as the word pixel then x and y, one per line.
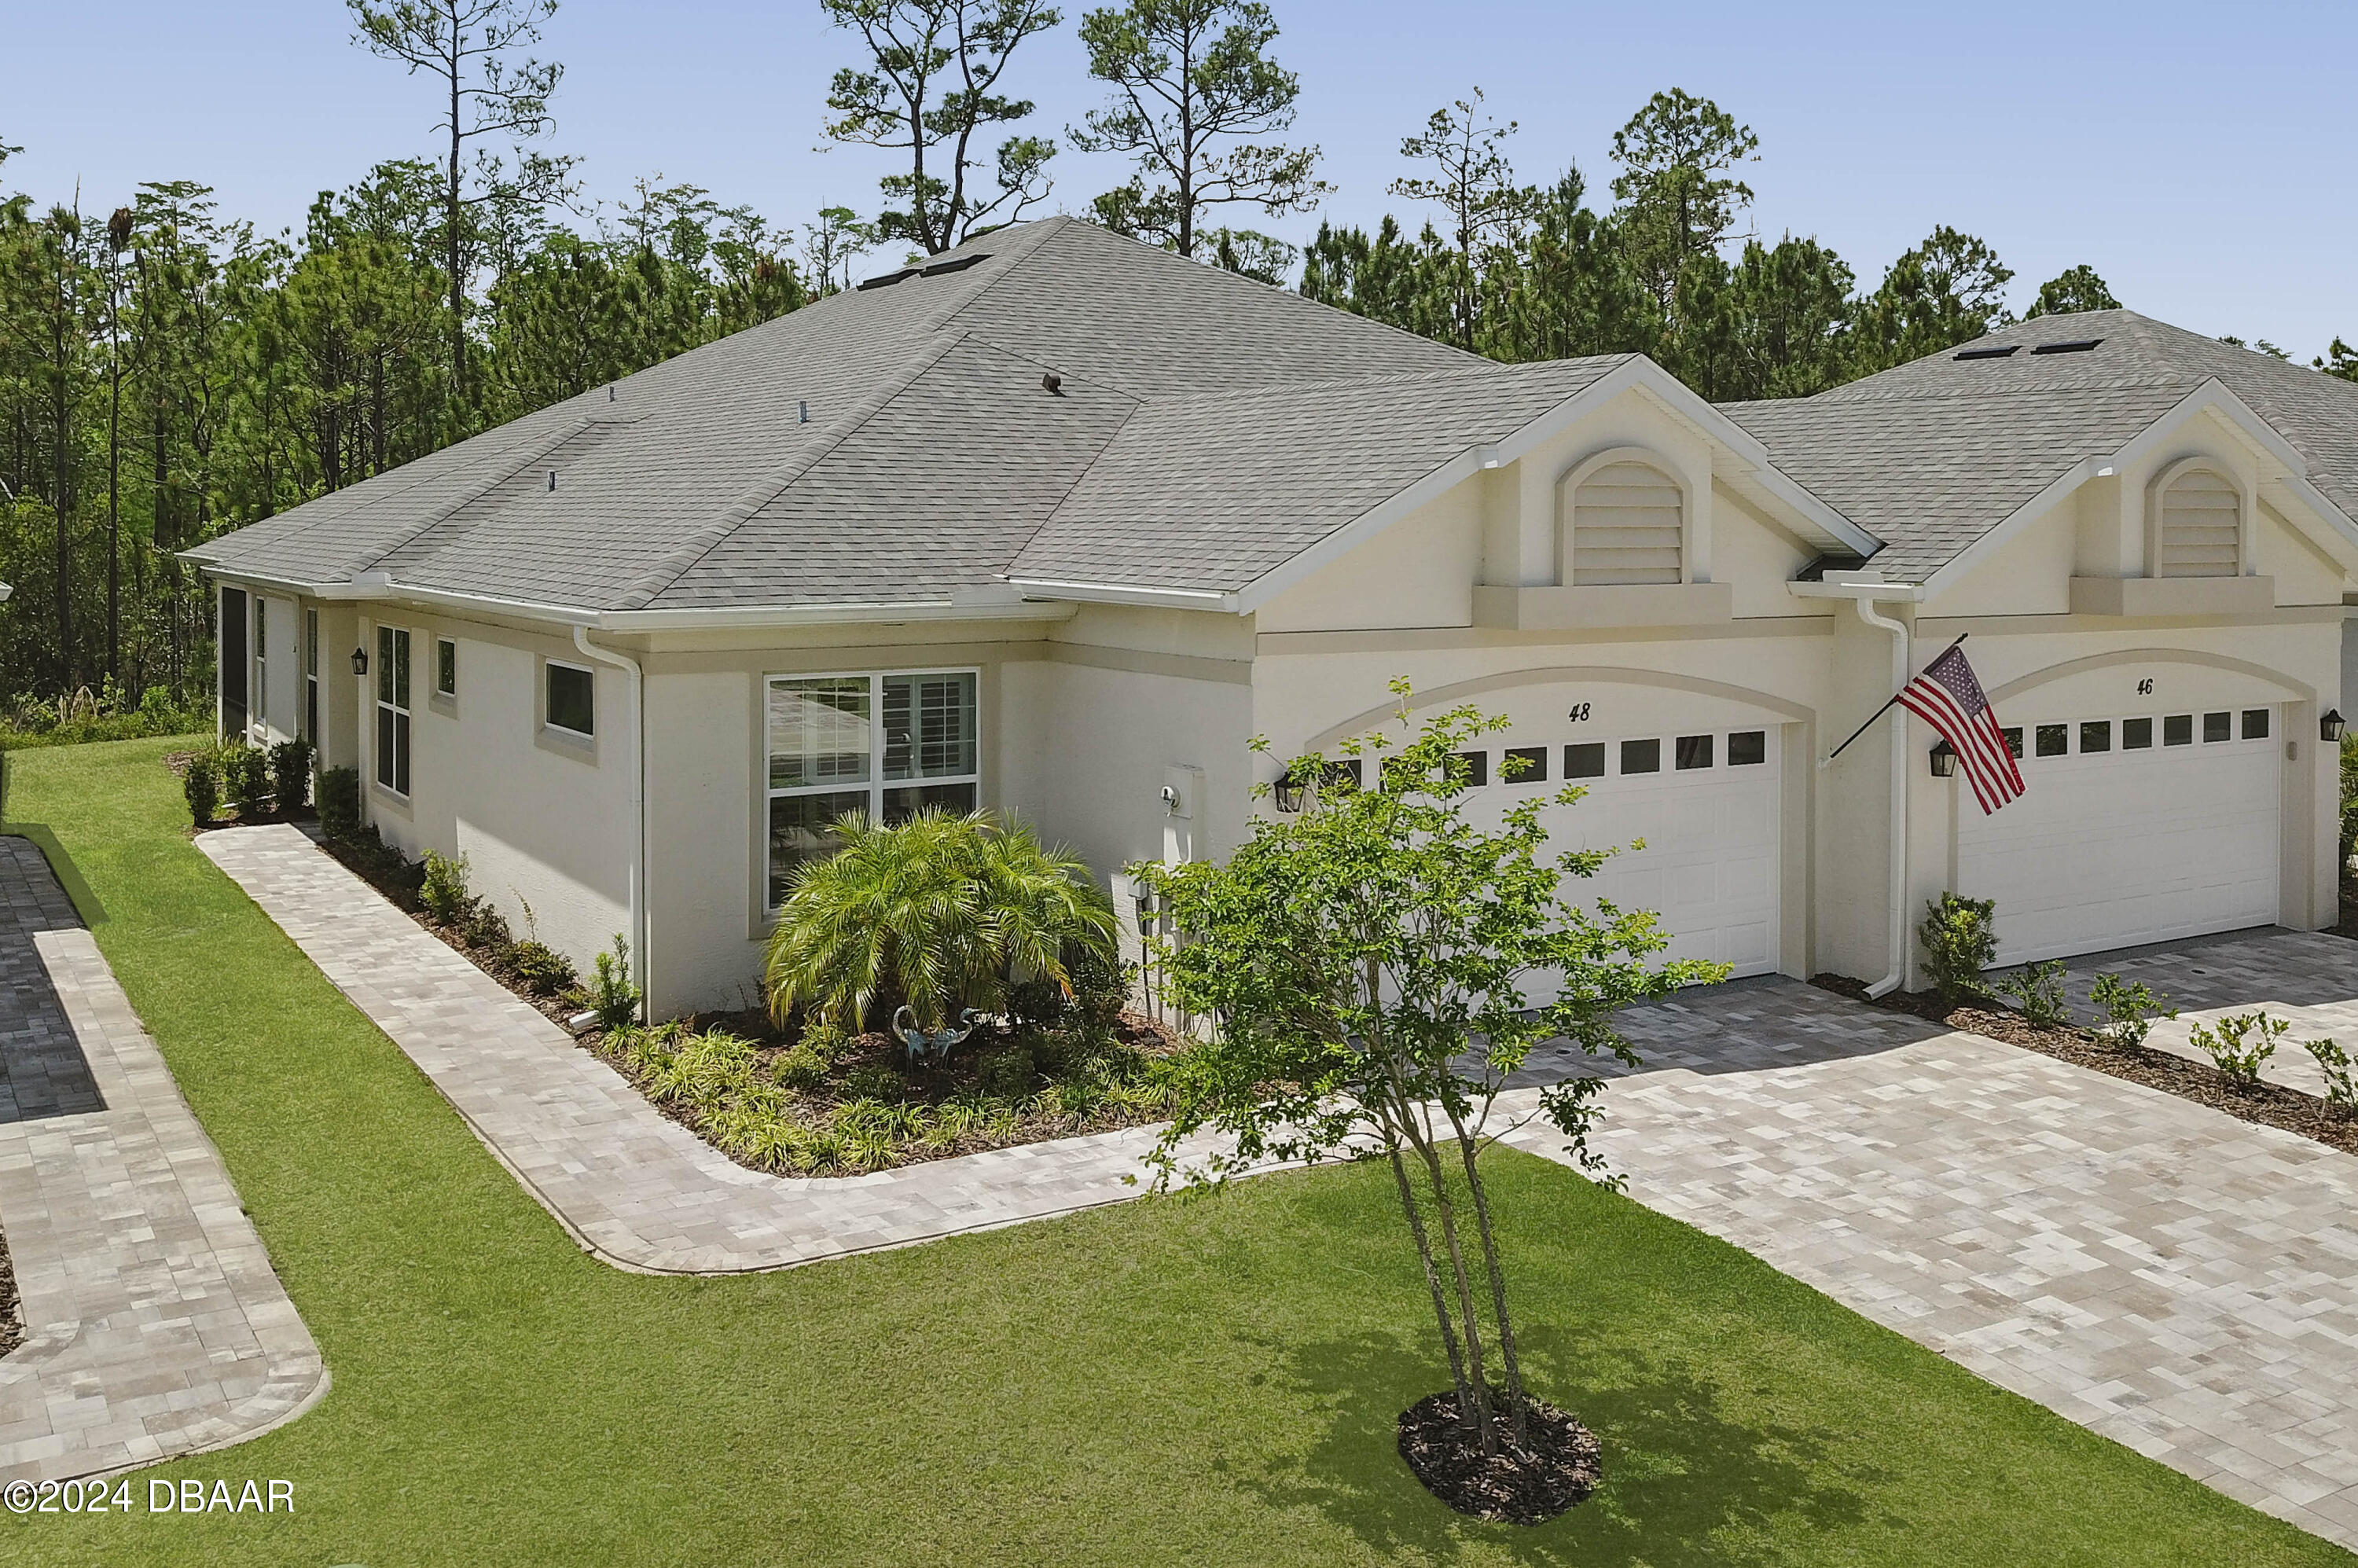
pixel 2078 346
pixel 1987 354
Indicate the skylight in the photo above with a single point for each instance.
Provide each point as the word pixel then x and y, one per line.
pixel 2077 346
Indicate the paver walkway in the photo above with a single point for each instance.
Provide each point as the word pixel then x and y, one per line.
pixel 155 1326
pixel 633 1187
pixel 2177 1279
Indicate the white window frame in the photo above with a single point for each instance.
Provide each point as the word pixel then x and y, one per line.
pixel 564 731
pixel 257 711
pixel 876 786
pixel 392 763
pixel 449 692
pixel 311 676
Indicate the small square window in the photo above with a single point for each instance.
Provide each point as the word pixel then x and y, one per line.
pixel 1641 756
pixel 1477 768
pixel 446 666
pixel 2178 729
pixel 2014 739
pixel 1691 752
pixel 1345 770
pixel 2137 735
pixel 2095 735
pixel 1747 748
pixel 1524 765
pixel 571 703
pixel 2218 727
pixel 1585 761
pixel 2054 740
pixel 2256 724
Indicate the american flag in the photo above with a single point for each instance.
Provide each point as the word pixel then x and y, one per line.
pixel 1948 698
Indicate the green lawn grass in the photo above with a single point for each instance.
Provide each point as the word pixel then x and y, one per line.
pixel 1186 1382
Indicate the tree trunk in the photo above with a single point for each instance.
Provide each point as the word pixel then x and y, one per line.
pixel 1431 1276
pixel 1515 1399
pixel 1479 1377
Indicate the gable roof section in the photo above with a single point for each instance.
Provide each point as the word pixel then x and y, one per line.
pixel 931 453
pixel 1931 455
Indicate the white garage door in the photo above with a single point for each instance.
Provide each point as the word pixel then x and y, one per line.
pixel 2130 830
pixel 1706 806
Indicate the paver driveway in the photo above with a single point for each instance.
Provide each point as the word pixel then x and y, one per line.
pixel 2177 1280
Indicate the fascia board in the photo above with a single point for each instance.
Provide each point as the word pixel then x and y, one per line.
pixel 827 615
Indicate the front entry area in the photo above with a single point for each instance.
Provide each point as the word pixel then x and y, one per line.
pixel 2130 830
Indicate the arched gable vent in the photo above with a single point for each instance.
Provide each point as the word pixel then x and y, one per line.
pixel 1628 525
pixel 2200 532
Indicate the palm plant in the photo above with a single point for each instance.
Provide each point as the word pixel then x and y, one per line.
pixel 940 911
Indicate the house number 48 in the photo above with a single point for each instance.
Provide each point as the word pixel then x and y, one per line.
pixel 1579 714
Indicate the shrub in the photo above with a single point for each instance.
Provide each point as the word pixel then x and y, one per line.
pixel 759 1136
pixel 202 789
pixel 1960 938
pixel 2127 1009
pixel 1037 1004
pixel 290 776
pixel 485 927
pixel 542 970
pixel 609 994
pixel 874 1080
pixel 937 911
pixel 1005 1072
pixel 800 1067
pixel 706 1072
pixel 1100 986
pixel 2234 1050
pixel 2038 992
pixel 339 802
pixel 246 774
pixel 444 890
pixel 2334 1063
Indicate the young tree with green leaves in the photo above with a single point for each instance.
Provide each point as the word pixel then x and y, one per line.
pixel 1473 183
pixel 1195 97
pixel 932 84
pixel 1372 970
pixel 468 45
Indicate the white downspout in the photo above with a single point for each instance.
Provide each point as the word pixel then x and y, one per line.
pixel 1899 812
pixel 590 650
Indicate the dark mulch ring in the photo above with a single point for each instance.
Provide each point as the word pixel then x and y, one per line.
pixel 12 1315
pixel 1528 1484
pixel 2264 1104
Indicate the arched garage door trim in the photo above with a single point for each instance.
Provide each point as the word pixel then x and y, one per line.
pixel 2298 691
pixel 1458 691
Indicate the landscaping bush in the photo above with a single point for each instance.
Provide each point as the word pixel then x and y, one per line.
pixel 1006 1072
pixel 245 775
pixel 2334 1063
pixel 610 994
pixel 542 969
pixel 2127 1010
pixel 1960 938
pixel 444 890
pixel 940 913
pixel 2038 992
pixel 290 776
pixel 2241 1045
pixel 339 802
pixel 486 928
pixel 799 1069
pixel 201 788
pixel 875 1081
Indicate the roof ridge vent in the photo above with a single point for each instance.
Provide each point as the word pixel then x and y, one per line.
pixel 958 264
pixel 2075 346
pixel 886 280
pixel 1998 353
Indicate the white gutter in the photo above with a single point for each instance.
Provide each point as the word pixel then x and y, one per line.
pixel 639 918
pixel 1864 589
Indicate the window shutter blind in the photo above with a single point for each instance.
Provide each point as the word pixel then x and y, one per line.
pixel 1626 522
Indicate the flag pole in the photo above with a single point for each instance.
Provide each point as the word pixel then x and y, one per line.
pixel 1887 705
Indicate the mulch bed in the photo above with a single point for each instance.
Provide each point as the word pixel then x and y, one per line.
pixel 1526 1484
pixel 12 1315
pixel 2265 1104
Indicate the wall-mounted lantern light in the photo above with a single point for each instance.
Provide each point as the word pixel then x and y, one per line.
pixel 1944 761
pixel 360 661
pixel 2330 727
pixel 1289 791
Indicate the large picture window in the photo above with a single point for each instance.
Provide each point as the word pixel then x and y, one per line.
pixel 887 746
pixel 393 709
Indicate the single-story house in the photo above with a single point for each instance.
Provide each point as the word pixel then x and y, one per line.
pixel 1055 522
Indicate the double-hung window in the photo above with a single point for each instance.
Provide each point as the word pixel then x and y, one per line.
pixel 886 746
pixel 393 709
pixel 261 643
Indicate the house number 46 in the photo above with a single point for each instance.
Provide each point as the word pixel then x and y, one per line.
pixel 2144 687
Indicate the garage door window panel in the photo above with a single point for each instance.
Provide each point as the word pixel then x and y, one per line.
pixel 2055 740
pixel 2095 735
pixel 1524 765
pixel 2178 729
pixel 2218 727
pixel 2137 735
pixel 2256 724
pixel 1585 761
pixel 1641 756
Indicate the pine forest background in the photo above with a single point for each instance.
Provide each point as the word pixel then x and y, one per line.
pixel 168 372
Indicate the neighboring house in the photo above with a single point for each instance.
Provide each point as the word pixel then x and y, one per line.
pixel 1057 523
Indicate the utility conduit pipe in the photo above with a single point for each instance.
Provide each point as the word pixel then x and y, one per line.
pixel 639 957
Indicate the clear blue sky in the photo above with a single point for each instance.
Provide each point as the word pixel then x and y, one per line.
pixel 2197 157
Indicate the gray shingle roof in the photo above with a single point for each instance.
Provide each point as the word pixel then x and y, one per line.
pixel 1930 455
pixel 931 456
